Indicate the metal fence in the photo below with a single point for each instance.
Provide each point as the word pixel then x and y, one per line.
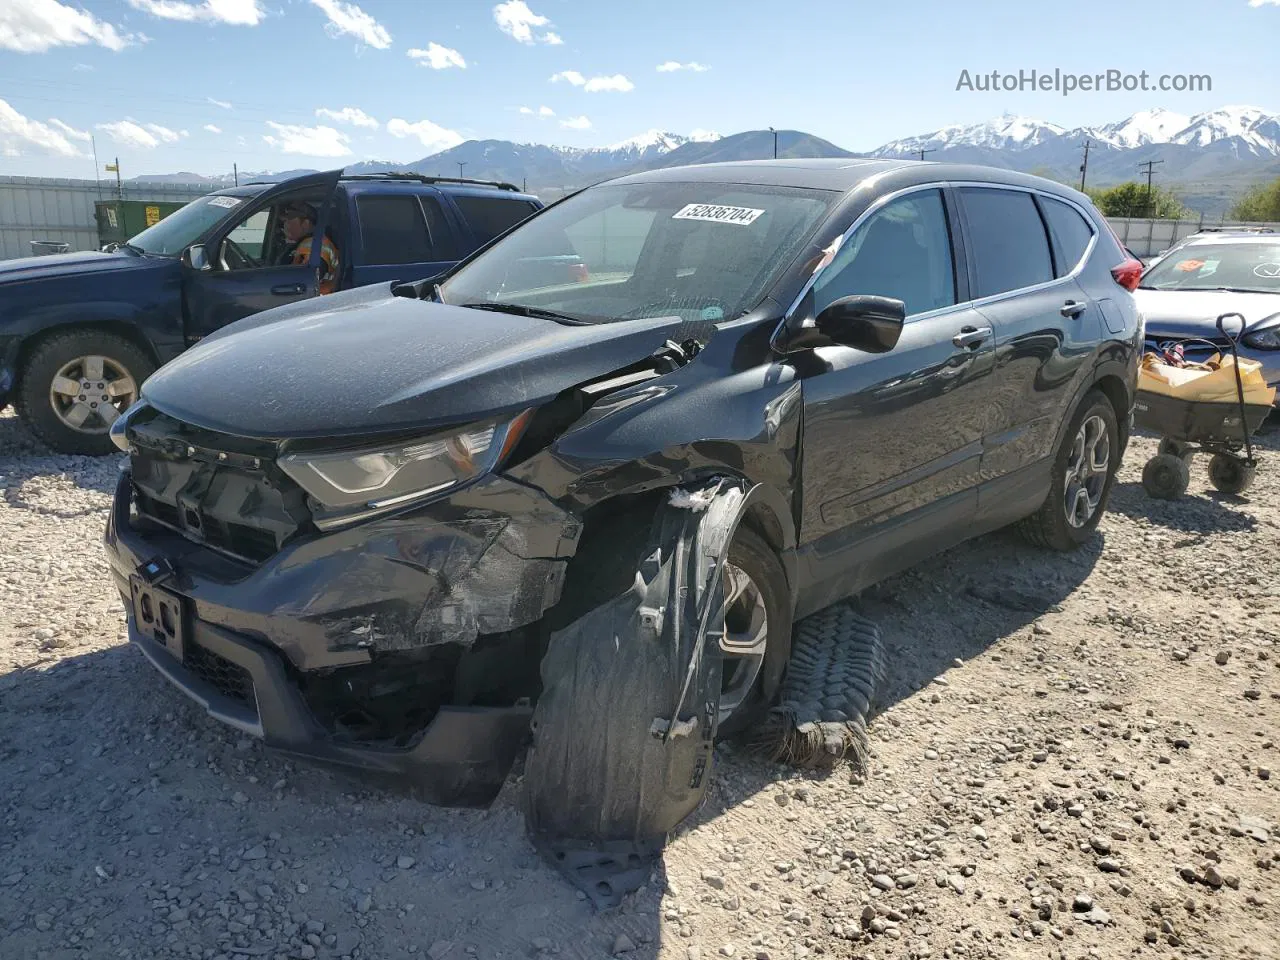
pixel 1147 238
pixel 61 211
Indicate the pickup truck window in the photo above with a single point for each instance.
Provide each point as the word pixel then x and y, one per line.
pixel 394 230
pixel 490 216
pixel 186 225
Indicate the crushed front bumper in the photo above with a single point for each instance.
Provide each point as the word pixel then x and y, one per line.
pixel 337 602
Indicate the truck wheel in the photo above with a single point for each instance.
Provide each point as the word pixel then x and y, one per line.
pixel 74 385
pixel 1083 473
pixel 602 787
pixel 1230 474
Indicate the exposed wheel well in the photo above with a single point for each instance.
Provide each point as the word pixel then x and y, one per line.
pixel 118 328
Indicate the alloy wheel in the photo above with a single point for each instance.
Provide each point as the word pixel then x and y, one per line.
pixel 744 640
pixel 89 393
pixel 1087 470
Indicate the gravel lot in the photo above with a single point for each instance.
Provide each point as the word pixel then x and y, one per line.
pixel 1076 759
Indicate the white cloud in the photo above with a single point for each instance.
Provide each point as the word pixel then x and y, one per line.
pixel 212 129
pixel 164 134
pixel 576 123
pixel 219 103
pixel 432 136
pixel 570 76
pixel 352 115
pixel 243 13
pixel 18 131
pixel 131 134
pixel 438 57
pixel 318 141
pixel 615 84
pixel 34 26
pixel 1258 3
pixel 347 18
pixel 516 20
pixel 546 112
pixel 526 110
pixel 69 131
pixel 671 66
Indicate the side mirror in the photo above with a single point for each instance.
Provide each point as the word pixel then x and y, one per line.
pixel 868 323
pixel 196 258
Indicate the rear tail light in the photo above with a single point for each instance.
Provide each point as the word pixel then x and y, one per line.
pixel 1127 273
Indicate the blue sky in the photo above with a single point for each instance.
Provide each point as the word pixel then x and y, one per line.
pixel 172 85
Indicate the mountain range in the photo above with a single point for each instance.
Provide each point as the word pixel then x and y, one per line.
pixel 1210 157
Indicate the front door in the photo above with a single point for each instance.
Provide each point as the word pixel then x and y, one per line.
pixel 249 262
pixel 893 442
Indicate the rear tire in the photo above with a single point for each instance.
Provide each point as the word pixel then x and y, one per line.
pixel 1230 475
pixel 1166 477
pixel 50 410
pixel 1086 483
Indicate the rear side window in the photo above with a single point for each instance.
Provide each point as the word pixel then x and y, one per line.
pixel 490 216
pixel 1071 232
pixel 444 245
pixel 393 229
pixel 1009 247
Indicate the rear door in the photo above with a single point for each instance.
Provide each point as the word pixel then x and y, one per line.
pixel 404 234
pixel 1046 330
pixel 245 276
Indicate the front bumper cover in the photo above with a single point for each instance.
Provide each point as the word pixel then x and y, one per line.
pixel 488 561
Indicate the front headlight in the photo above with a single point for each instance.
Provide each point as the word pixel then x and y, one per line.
pixel 119 429
pixel 380 477
pixel 1263 339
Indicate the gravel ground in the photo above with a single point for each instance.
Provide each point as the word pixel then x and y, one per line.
pixel 1076 760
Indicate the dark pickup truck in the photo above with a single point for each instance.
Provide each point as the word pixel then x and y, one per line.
pixel 80 332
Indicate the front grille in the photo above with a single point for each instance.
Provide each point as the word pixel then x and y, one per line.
pixel 222 492
pixel 229 679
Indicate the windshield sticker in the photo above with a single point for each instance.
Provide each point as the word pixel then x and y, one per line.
pixel 224 202
pixel 714 213
pixel 1190 266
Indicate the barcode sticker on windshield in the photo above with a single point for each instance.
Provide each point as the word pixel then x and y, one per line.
pixel 223 202
pixel 717 214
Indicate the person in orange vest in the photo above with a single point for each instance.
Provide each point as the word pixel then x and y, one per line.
pixel 299 219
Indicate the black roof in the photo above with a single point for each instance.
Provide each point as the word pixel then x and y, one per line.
pixel 845 174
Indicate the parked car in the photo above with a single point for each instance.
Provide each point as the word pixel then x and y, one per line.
pixel 594 509
pixel 1182 296
pixel 80 332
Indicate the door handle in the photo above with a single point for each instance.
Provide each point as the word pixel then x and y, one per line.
pixel 289 289
pixel 971 337
pixel 1072 309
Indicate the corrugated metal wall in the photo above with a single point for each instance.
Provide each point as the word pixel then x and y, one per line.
pixel 42 208
pixel 1146 238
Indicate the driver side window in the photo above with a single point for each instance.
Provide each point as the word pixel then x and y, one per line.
pixel 902 251
pixel 250 237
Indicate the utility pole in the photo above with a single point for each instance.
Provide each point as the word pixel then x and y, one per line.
pixel 119 187
pixel 1084 167
pixel 524 185
pixel 1150 165
pixel 775 142
pixel 461 164
pixel 235 173
pixel 97 177
pixel 930 150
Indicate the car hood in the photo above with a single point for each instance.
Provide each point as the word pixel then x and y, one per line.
pixel 66 264
pixel 1194 313
pixel 372 362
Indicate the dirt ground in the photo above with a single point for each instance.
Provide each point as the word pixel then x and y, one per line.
pixel 1076 759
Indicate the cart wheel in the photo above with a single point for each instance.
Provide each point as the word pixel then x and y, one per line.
pixel 1175 448
pixel 1230 474
pixel 1166 477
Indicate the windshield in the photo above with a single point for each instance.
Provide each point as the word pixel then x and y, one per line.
pixel 185 225
pixel 705 251
pixel 1253 267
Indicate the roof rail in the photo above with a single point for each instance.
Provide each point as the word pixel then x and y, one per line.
pixel 420 178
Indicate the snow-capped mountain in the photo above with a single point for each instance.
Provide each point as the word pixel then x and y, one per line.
pixel 1229 122
pixel 1003 133
pixel 1146 126
pixel 659 141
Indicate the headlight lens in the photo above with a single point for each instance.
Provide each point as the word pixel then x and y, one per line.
pixel 386 476
pixel 121 424
pixel 1263 339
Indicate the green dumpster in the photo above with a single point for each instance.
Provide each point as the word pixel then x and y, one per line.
pixel 118 220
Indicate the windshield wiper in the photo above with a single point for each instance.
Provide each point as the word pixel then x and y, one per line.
pixel 520 310
pixel 1243 290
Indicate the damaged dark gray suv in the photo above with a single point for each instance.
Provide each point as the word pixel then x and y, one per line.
pixel 412 528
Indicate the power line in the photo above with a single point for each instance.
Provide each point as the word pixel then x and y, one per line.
pixel 1150 165
pixel 1084 166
